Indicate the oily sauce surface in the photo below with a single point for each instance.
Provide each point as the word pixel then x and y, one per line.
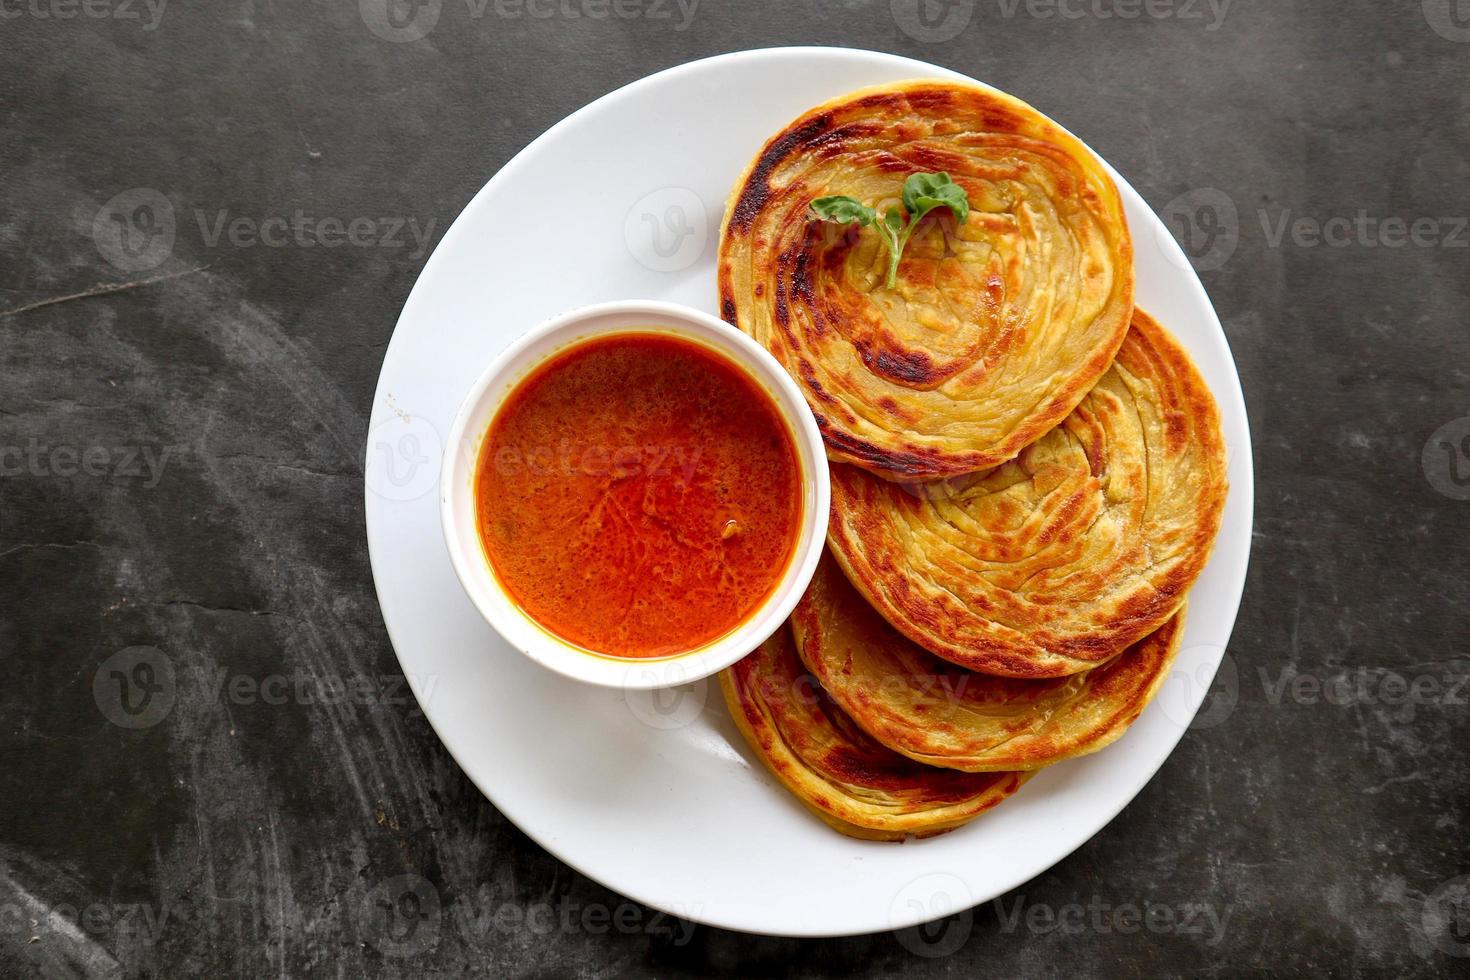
pixel 638 495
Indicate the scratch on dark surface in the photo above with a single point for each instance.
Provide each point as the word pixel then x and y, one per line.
pixel 281 885
pixel 53 943
pixel 355 473
pixel 251 338
pixel 208 607
pixel 101 289
pixel 48 544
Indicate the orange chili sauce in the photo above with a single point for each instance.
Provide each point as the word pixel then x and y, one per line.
pixel 638 495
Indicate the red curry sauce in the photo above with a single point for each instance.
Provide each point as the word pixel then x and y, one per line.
pixel 638 495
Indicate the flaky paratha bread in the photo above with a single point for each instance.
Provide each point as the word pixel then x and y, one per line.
pixel 1058 560
pixel 935 712
pixel 994 330
pixel 841 774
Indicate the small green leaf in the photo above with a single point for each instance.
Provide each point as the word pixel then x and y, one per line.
pixel 923 193
pixel 843 210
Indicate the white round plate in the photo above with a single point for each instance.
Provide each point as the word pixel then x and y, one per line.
pixel 655 795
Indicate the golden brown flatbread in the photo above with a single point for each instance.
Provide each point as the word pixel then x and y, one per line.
pixel 841 774
pixel 995 329
pixel 1058 560
pixel 932 711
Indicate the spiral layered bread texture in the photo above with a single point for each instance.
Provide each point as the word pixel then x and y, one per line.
pixel 833 767
pixel 1058 560
pixel 996 328
pixel 932 711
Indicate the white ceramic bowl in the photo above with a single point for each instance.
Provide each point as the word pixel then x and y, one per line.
pixel 457 492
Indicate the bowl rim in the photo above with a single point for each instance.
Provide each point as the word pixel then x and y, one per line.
pixel 484 399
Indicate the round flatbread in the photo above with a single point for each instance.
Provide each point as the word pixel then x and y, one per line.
pixel 1058 560
pixel 835 769
pixel 994 329
pixel 935 712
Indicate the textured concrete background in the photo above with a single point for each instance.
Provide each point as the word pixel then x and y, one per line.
pixel 186 787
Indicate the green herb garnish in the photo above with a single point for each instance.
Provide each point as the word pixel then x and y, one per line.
pixel 922 193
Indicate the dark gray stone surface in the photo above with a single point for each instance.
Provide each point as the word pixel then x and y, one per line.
pixel 182 477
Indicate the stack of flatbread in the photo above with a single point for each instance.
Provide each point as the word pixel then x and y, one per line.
pixel 1027 470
